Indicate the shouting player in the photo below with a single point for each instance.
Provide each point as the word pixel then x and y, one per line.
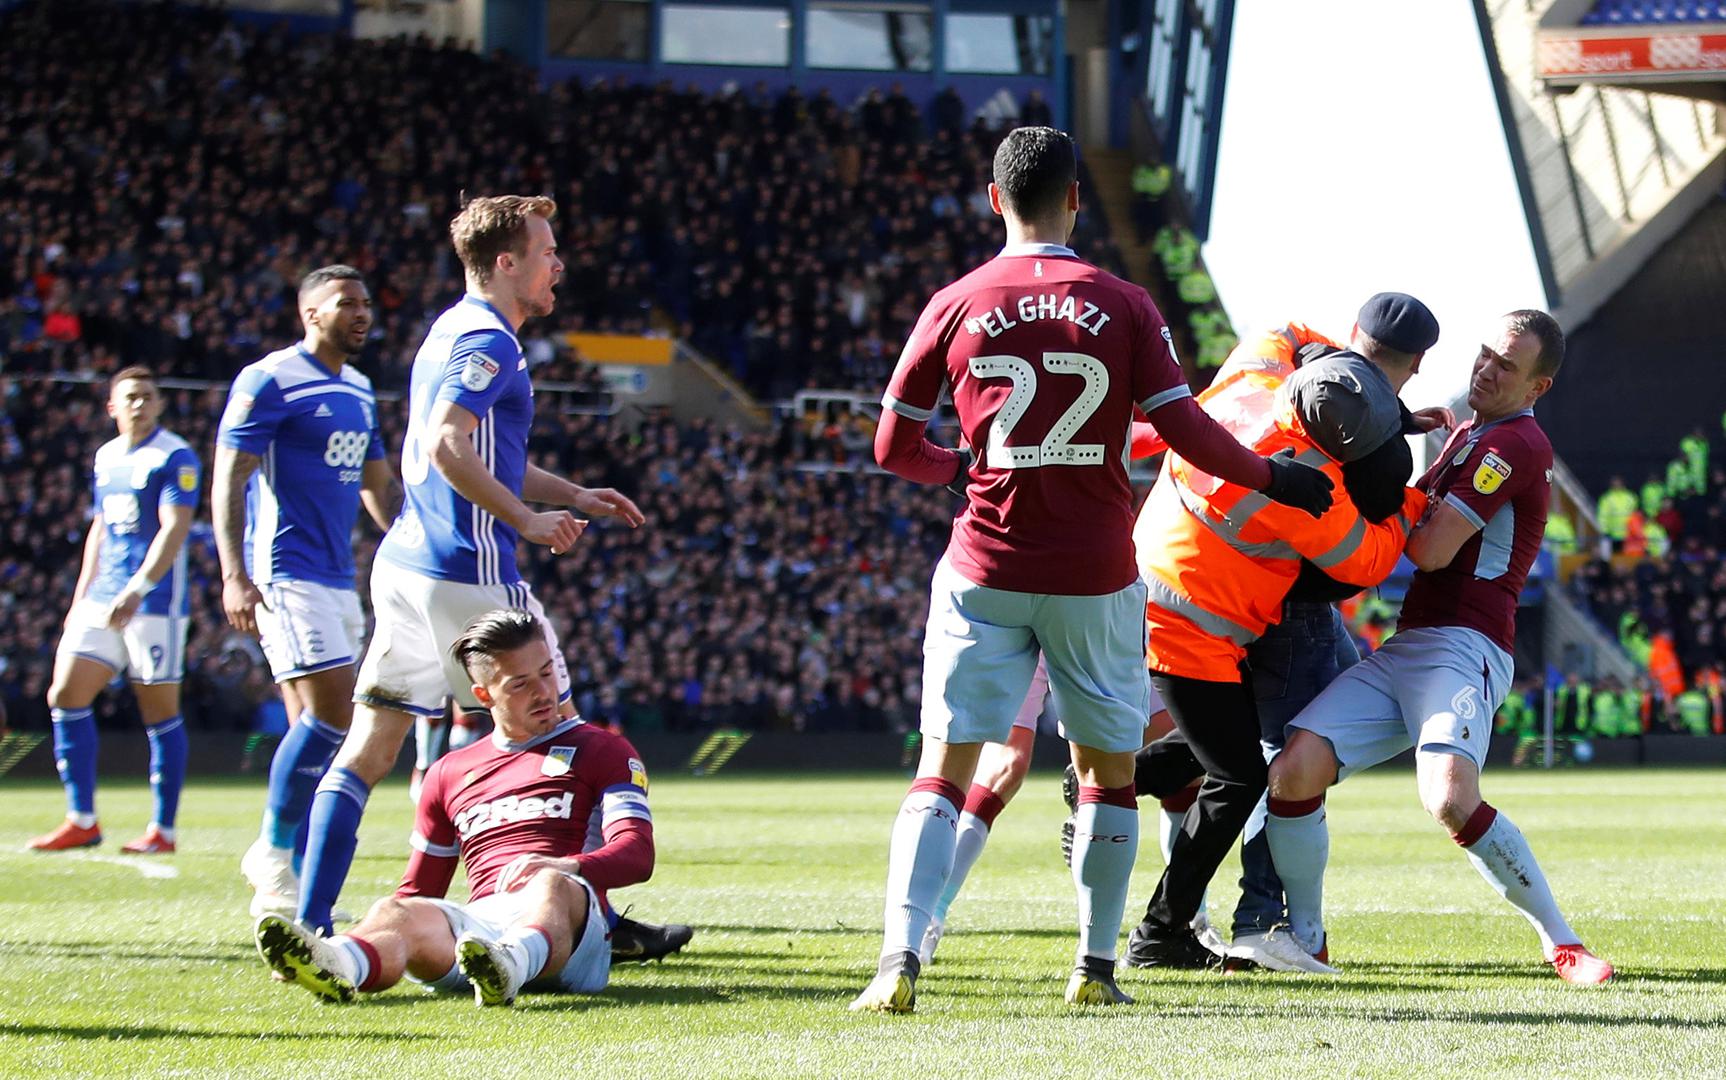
pixel 450 555
pixel 516 808
pixel 128 614
pixel 1047 356
pixel 297 452
pixel 1435 685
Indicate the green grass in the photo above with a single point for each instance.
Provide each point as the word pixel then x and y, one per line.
pixel 106 971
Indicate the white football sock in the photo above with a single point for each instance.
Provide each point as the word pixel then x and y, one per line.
pixel 919 858
pixel 967 846
pixel 1105 843
pixel 1300 849
pixel 1504 859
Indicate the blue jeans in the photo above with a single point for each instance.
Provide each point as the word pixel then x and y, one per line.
pixel 1294 660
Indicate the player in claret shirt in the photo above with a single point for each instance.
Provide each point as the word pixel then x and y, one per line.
pixel 1047 357
pixel 517 808
pixel 1436 684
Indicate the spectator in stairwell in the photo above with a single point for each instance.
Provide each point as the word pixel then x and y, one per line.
pixel 1670 521
pixel 1652 494
pixel 1613 511
pixel 1035 112
pixel 1694 448
pixel 949 112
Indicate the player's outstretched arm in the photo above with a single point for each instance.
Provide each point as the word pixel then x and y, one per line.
pixel 449 432
pixel 381 492
pixel 240 597
pixel 540 486
pixel 158 562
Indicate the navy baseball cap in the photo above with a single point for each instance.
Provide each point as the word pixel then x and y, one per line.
pixel 1399 321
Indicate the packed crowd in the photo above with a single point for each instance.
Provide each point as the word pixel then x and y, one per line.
pixel 758 593
pixel 164 219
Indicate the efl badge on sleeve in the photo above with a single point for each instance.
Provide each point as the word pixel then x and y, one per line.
pixel 479 371
pixel 188 478
pixel 557 760
pixel 1493 472
pixel 637 773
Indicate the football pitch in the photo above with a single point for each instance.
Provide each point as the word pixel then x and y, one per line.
pixel 112 965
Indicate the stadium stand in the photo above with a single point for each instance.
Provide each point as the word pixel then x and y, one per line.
pixel 164 221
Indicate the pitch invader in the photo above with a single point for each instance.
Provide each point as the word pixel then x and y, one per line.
pixel 1042 555
pixel 450 555
pixel 298 451
pixel 128 614
pixel 1435 685
pixel 517 809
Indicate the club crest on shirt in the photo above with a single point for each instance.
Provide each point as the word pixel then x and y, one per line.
pixel 557 760
pixel 1493 472
pixel 188 478
pixel 479 371
pixel 637 773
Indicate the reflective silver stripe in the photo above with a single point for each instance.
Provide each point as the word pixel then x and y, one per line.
pixel 1158 400
pixel 909 412
pixel 1228 530
pixel 1345 547
pixel 1288 336
pixel 1170 600
pixel 1236 517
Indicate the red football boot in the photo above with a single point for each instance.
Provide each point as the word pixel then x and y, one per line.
pixel 151 843
pixel 68 836
pixel 1578 966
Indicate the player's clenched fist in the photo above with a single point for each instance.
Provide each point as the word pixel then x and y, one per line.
pixel 555 529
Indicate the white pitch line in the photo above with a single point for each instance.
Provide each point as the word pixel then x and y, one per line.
pixel 148 869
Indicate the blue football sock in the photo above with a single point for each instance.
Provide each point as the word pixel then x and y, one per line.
pixel 332 834
pixel 75 756
pixel 167 768
pixel 301 759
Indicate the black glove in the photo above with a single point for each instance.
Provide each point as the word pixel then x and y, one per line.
pixel 1300 486
pixel 963 477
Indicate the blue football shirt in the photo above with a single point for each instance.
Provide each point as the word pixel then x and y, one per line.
pixel 313 430
pixel 470 357
pixel 132 484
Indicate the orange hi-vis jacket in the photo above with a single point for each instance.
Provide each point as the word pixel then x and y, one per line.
pixel 1219 558
pixel 1244 389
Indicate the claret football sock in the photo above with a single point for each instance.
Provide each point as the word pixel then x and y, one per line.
pixel 919 859
pixel 75 756
pixel 1300 848
pixel 1501 853
pixel 975 821
pixel 168 750
pixel 301 760
pixel 1105 842
pixel 1174 813
pixel 332 834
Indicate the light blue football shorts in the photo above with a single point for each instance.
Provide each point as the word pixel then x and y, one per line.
pixel 1433 688
pixel 980 653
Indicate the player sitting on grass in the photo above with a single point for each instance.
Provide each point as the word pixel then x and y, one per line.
pixel 516 808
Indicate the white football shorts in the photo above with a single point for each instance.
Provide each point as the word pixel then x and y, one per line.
pixel 408 666
pixel 1433 688
pixel 980 653
pixel 589 967
pixel 309 627
pixel 150 649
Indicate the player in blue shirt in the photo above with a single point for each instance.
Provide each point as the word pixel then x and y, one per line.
pixel 297 453
pixel 128 614
pixel 450 556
